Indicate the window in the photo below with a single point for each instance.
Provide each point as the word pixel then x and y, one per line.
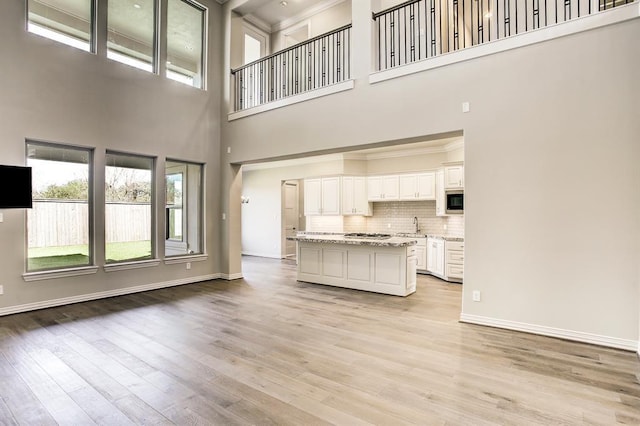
pixel 59 224
pixel 66 21
pixel 129 214
pixel 185 42
pixel 183 209
pixel 131 33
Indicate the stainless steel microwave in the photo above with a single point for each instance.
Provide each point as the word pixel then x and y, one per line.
pixel 455 202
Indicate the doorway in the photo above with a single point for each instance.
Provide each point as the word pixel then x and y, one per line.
pixel 290 217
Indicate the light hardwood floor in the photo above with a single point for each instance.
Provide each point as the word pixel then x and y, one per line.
pixel 269 350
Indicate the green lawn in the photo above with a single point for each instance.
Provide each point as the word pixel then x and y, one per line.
pixel 68 256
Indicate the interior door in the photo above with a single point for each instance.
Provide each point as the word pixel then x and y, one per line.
pixel 290 215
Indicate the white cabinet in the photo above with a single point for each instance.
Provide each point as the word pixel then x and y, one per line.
pixel 322 196
pixel 383 188
pixel 454 261
pixel 441 200
pixel 417 187
pixel 421 254
pixel 435 256
pixel 354 196
pixel 454 177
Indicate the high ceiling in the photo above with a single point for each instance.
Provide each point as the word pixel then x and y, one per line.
pixel 273 12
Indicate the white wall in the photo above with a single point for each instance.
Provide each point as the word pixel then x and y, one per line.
pixel 52 92
pixel 323 22
pixel 551 147
pixel 262 216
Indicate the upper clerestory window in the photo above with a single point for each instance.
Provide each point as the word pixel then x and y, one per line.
pixel 65 21
pixel 186 35
pixel 131 33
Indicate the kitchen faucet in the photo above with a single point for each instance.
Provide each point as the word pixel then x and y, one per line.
pixel 415 222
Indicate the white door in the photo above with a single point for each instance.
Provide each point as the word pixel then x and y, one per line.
pixel 254 45
pixel 290 216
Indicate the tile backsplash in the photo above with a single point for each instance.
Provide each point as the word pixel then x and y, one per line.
pixel 392 217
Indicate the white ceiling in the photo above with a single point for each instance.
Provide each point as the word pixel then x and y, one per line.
pixel 271 12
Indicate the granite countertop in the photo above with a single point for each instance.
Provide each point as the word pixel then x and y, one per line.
pixel 340 239
pixel 437 236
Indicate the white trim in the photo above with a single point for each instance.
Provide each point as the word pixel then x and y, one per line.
pixel 267 255
pixel 186 259
pixel 257 23
pixel 302 97
pixel 104 294
pixel 231 277
pixel 599 19
pixel 305 14
pixel 59 273
pixel 123 266
pixel 578 336
pixel 293 162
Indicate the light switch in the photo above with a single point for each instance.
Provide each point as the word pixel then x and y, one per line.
pixel 465 107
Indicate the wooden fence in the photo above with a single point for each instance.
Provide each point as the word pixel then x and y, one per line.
pixel 65 223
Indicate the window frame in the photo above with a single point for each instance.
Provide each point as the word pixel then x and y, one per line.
pixel 90 267
pixel 185 201
pixel 155 42
pixel 93 16
pixel 153 260
pixel 204 44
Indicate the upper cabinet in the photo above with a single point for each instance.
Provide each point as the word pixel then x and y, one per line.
pixel 355 197
pixel 418 187
pixel 383 188
pixel 454 177
pixel 322 196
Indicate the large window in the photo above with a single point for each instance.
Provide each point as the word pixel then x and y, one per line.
pixel 185 42
pixel 183 210
pixel 59 224
pixel 129 215
pixel 66 21
pixel 131 32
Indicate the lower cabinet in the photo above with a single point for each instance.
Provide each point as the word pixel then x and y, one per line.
pixel 421 255
pixel 435 256
pixel 389 270
pixel 454 260
pixel 445 259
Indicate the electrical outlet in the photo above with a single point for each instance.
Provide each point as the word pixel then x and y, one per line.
pixel 1 289
pixel 476 295
pixel 465 107
pixel 389 225
pixel 445 226
pixel 188 265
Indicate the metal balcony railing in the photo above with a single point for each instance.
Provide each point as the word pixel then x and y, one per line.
pixel 421 29
pixel 318 62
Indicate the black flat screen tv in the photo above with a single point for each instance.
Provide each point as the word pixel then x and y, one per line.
pixel 16 183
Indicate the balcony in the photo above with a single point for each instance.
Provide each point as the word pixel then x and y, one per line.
pixel 405 38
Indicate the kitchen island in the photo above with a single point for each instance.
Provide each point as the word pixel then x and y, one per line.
pixel 381 264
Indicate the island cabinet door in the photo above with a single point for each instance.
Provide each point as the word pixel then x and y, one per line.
pixel 389 268
pixel 412 264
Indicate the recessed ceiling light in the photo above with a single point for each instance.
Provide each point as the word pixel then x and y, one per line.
pixel 283 3
pixel 137 6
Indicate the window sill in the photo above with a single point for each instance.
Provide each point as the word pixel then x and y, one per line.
pixel 131 265
pixel 59 273
pixel 186 259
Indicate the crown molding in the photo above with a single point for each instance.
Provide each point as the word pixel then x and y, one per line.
pixel 406 153
pixel 455 145
pixel 258 23
pixel 305 14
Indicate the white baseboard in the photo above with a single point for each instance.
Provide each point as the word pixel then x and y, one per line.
pixel 104 294
pixel 230 277
pixel 578 336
